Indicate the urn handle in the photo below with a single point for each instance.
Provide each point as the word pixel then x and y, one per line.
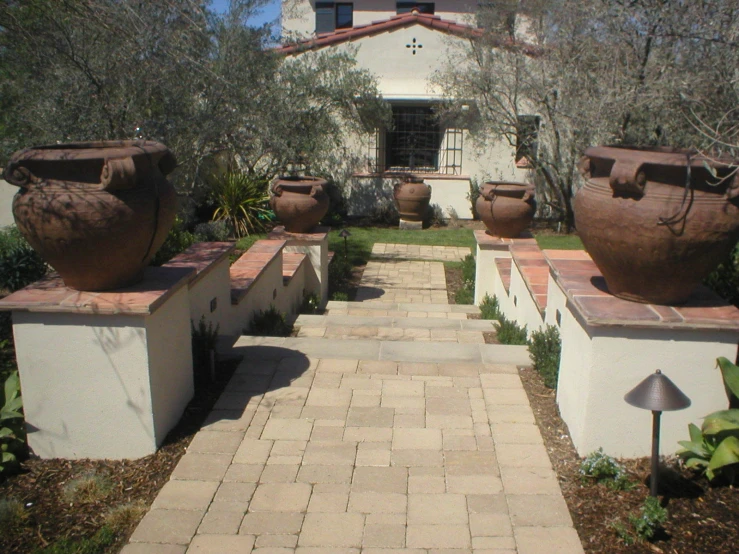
pixel 118 174
pixel 277 190
pixel 732 192
pixel 17 175
pixel 627 177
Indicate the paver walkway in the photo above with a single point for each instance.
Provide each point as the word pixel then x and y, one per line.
pixel 335 446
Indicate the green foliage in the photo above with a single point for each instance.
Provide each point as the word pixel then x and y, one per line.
pixel 20 265
pixel 340 297
pixel 241 199
pixel 509 332
pixel 549 241
pixel 12 432
pixel 466 294
pixel 605 469
pixel 270 323
pixel 472 196
pixel 490 308
pixel 204 341
pixel 12 514
pixel 724 280
pixel 713 449
pixel 650 518
pixel 178 240
pixel 212 231
pixel 311 303
pixel 545 347
pixel 434 217
pixel 103 538
pixel 123 517
pixel 339 274
pixel 87 488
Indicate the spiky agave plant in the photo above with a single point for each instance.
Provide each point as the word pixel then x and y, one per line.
pixel 241 199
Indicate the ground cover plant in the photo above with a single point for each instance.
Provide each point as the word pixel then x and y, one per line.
pixel 269 323
pixel 545 347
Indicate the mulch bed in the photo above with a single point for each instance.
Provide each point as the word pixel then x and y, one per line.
pixel 48 517
pixel 705 524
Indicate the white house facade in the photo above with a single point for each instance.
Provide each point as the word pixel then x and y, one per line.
pixel 404 44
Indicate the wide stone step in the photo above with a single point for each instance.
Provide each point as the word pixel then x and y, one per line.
pixel 483 325
pixel 402 309
pixel 397 351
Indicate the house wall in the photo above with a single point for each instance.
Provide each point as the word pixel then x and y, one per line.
pixel 7 192
pixel 298 16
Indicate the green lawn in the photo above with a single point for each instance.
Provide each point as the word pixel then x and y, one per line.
pixel 359 244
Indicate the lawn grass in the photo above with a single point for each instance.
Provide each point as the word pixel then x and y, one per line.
pixel 549 241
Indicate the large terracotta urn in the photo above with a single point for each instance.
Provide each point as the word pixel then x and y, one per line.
pixel 97 212
pixel 506 208
pixel 656 221
pixel 299 202
pixel 412 197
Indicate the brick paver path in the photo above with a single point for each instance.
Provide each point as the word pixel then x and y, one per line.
pixel 319 454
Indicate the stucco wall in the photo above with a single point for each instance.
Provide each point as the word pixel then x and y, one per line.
pixel 298 16
pixel 216 283
pixel 7 192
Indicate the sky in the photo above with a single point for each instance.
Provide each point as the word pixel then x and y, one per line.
pixel 269 13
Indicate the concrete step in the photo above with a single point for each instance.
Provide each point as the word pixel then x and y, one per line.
pixel 392 334
pixel 402 309
pixel 397 351
pixel 482 325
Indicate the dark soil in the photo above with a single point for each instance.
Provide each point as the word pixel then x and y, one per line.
pixel 39 487
pixel 702 523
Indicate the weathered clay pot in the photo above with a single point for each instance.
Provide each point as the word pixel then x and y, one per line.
pixel 655 221
pixel 411 197
pixel 507 209
pixel 299 202
pixel 97 212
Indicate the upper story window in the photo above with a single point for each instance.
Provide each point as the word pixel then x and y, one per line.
pixel 422 7
pixel 334 15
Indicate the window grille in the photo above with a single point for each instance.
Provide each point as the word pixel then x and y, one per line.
pixel 422 7
pixel 332 15
pixel 416 143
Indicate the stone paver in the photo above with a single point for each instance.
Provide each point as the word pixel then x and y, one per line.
pixel 386 427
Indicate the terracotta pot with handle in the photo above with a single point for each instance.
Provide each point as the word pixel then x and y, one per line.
pixel 97 212
pixel 299 202
pixel 656 221
pixel 412 197
pixel 506 208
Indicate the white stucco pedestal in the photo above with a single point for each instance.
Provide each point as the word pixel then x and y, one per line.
pixel 610 345
pixel 315 245
pixel 489 248
pixel 103 375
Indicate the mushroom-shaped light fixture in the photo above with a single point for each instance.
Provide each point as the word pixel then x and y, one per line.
pixel 658 394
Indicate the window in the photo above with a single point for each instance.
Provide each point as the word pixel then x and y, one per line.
pixel 334 15
pixel 527 138
pixel 422 7
pixel 417 142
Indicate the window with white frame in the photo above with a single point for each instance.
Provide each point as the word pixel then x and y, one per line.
pixel 422 7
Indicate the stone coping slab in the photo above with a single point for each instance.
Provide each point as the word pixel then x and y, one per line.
pixel 405 307
pixel 534 269
pixel 201 257
pixel 50 295
pixel 584 286
pixel 504 270
pixel 291 262
pixel 317 234
pixel 247 268
pixel 488 241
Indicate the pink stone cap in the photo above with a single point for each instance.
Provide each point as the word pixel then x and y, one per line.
pixel 201 257
pixel 486 240
pixel 50 295
pixel 247 268
pixel 317 234
pixel 534 269
pixel 579 278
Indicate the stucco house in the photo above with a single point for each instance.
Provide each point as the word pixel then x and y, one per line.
pixel 403 43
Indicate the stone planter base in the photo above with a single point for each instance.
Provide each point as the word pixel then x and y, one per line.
pixel 410 225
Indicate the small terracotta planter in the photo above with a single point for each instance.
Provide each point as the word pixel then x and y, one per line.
pixel 97 212
pixel 506 208
pixel 299 202
pixel 412 197
pixel 655 221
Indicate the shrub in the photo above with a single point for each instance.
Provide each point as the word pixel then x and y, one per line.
pixel 472 196
pixel 434 217
pixel 713 448
pixel 340 297
pixel 204 341
pixel 605 469
pixel 124 516
pixel 651 517
pixel 724 280
pixel 213 231
pixel 468 269
pixel 242 200
pixel 270 323
pixel 385 213
pixel 339 274
pixel 12 514
pixel 311 303
pixel 490 308
pixel 509 332
pixel 466 294
pixel 12 432
pixel 545 348
pixel 178 240
pixel 20 266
